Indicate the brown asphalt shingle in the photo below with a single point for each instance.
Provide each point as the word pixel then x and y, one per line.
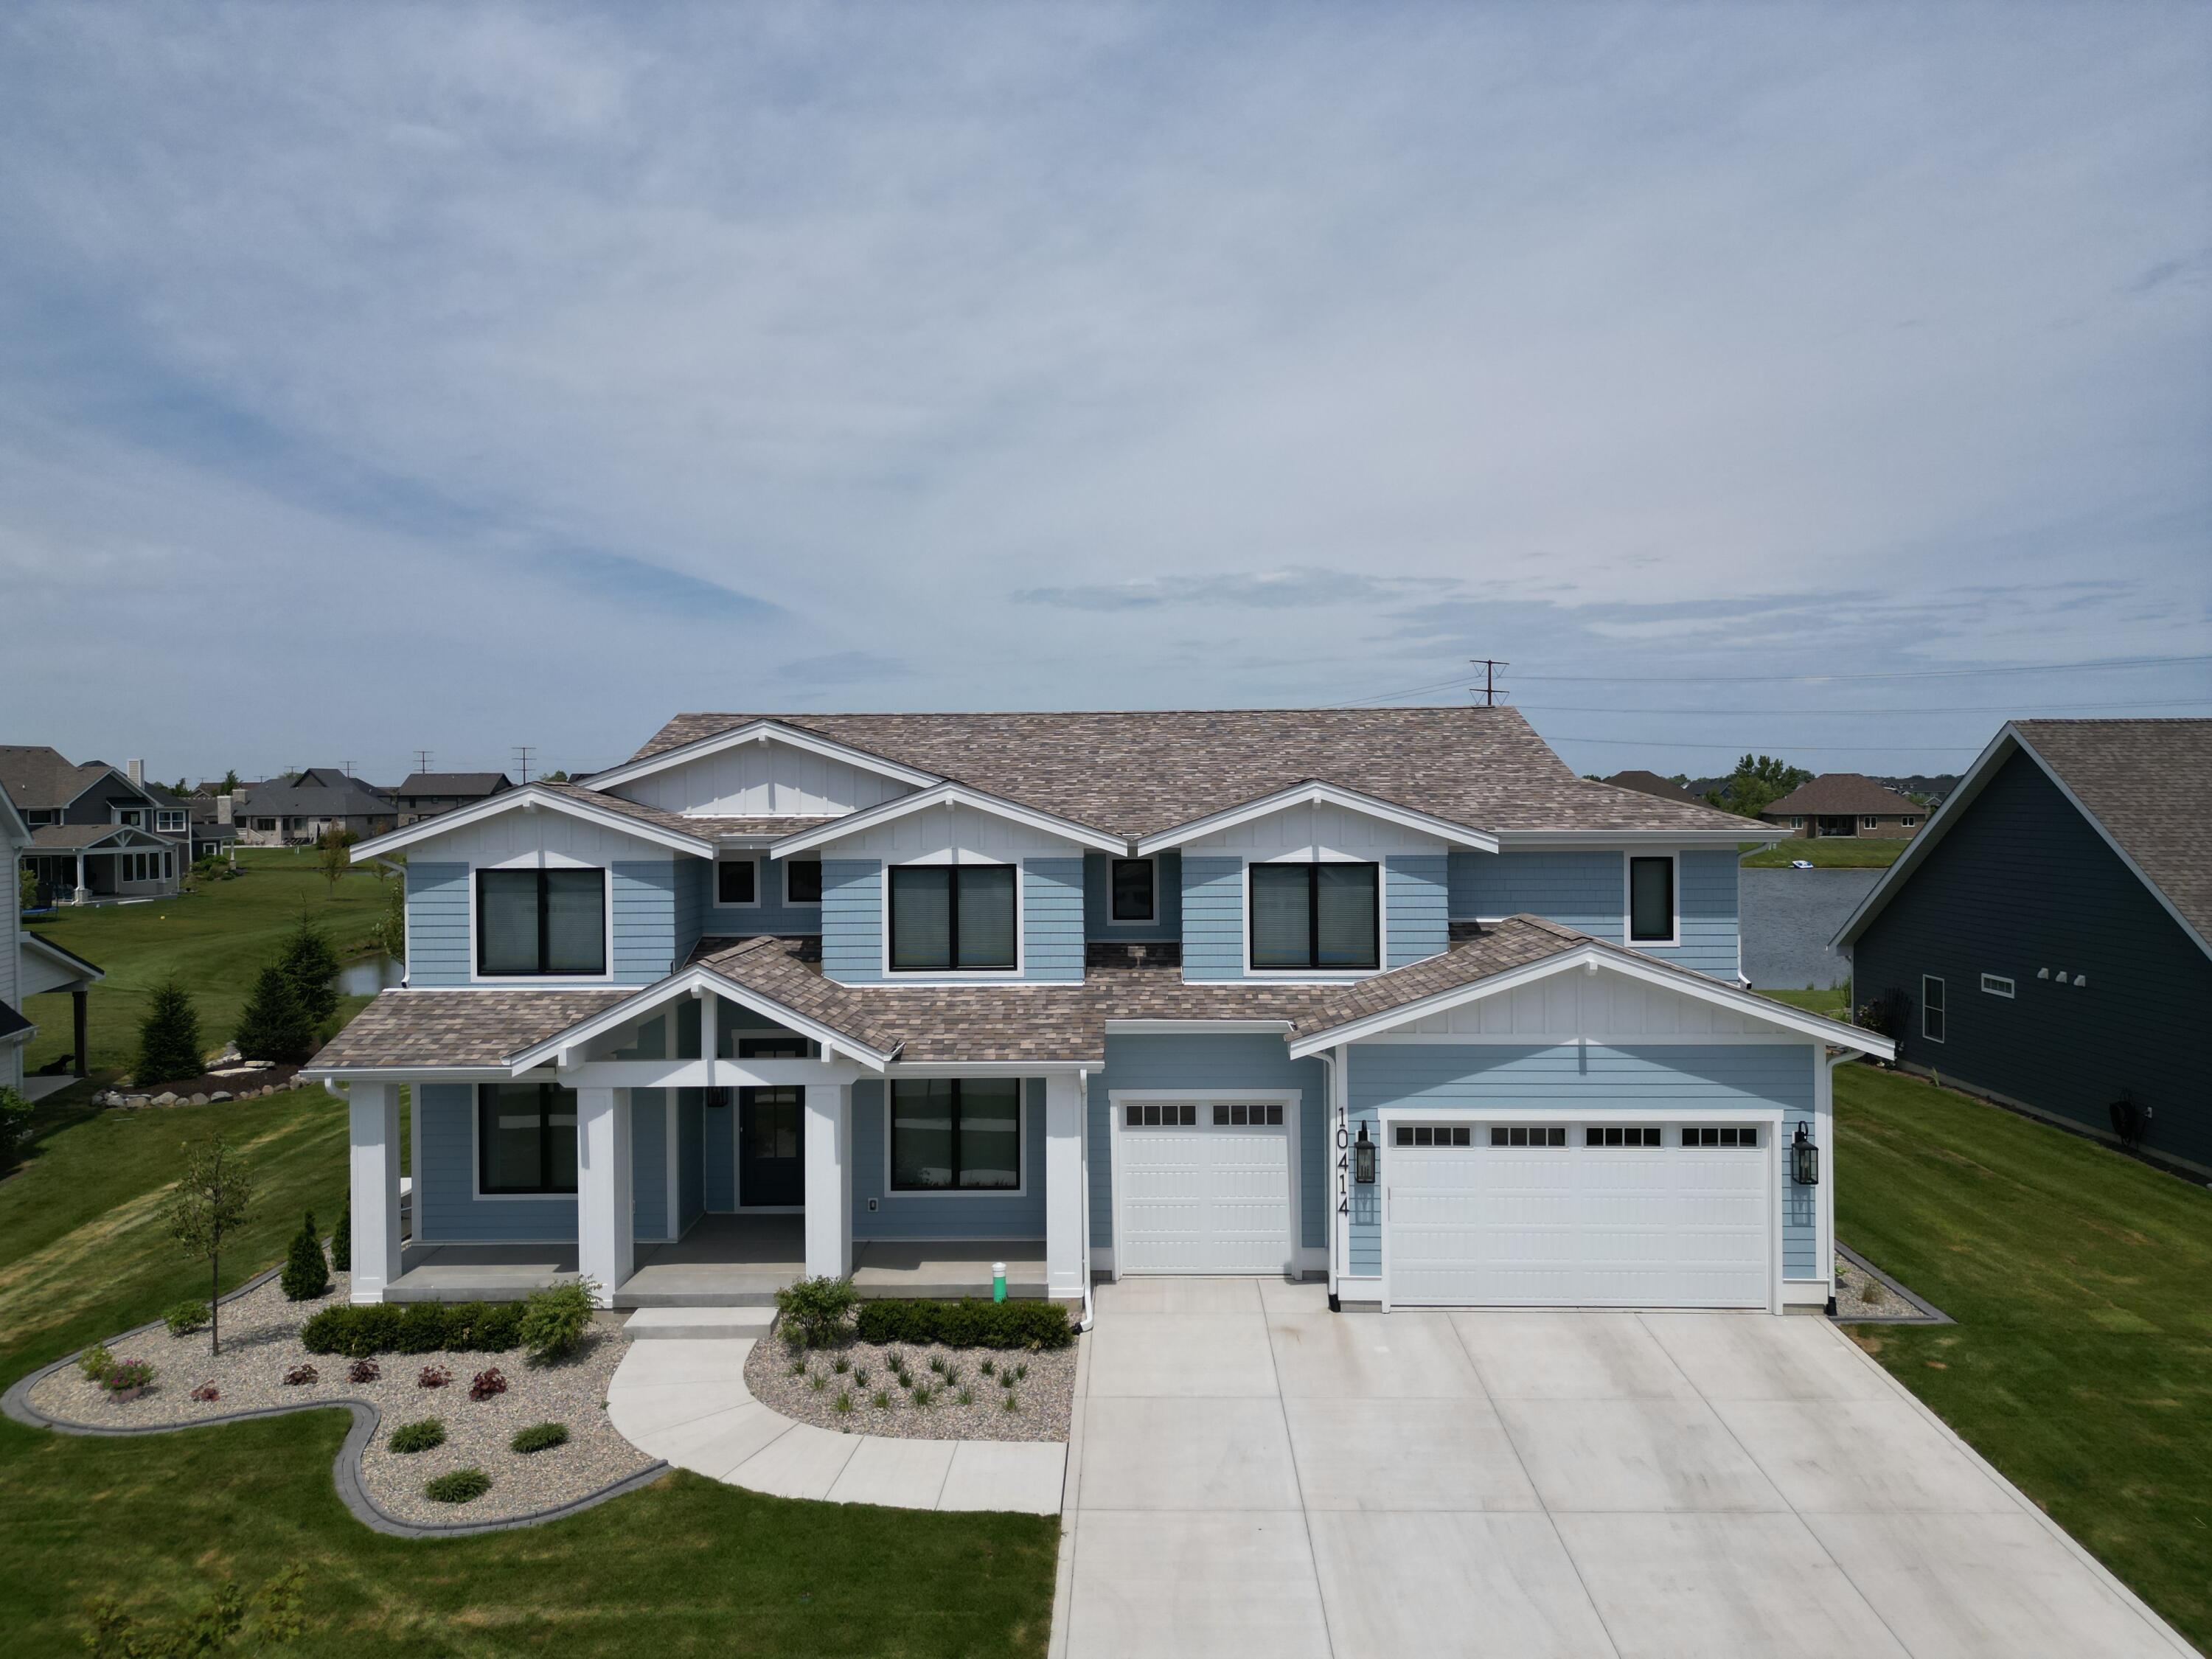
pixel 1849 794
pixel 2149 782
pixel 458 1028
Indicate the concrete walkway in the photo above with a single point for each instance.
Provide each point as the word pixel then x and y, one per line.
pixel 1250 1473
pixel 684 1400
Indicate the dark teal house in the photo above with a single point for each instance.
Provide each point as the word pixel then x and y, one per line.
pixel 2044 941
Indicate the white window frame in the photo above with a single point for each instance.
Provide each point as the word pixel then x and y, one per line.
pixel 902 1194
pixel 546 981
pixel 954 975
pixel 1288 1099
pixel 1909 821
pixel 1999 985
pixel 1628 902
pixel 1308 975
pixel 1113 921
pixel 1866 823
pixel 1942 1013
pixel 789 903
pixel 715 901
pixel 477 1193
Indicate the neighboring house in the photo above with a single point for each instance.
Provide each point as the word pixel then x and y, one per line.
pixel 302 811
pixel 1386 996
pixel 1844 804
pixel 213 832
pixel 30 966
pixel 2045 940
pixel 1651 783
pixel 426 793
pixel 173 815
pixel 92 829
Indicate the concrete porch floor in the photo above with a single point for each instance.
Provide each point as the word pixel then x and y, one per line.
pixel 724 1261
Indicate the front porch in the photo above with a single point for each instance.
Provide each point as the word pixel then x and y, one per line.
pixel 721 1261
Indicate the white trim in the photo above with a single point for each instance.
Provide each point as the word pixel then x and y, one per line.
pixel 947 794
pixel 715 901
pixel 989 1067
pixel 1316 793
pixel 477 1193
pixel 1613 958
pixel 1151 864
pixel 1195 1027
pixel 891 975
pixel 1942 1013
pixel 681 983
pixel 1312 975
pixel 1021 1144
pixel 1294 1219
pixel 479 980
pixel 759 730
pixel 1575 1040
pixel 1753 832
pixel 1673 940
pixel 789 903
pixel 527 798
pixel 74 967
pixel 1991 982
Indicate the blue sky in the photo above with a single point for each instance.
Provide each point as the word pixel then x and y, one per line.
pixel 383 378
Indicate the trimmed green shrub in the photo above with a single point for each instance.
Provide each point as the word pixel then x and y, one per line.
pixel 307 1274
pixel 411 1437
pixel 342 1237
pixel 274 1026
pixel 554 1319
pixel 169 1038
pixel 414 1327
pixel 461 1486
pixel 185 1317
pixel 130 1373
pixel 970 1322
pixel 540 1436
pixel 814 1310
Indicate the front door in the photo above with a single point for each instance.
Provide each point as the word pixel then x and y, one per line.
pixel 771 1148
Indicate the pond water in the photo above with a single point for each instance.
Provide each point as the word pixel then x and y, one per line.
pixel 1787 917
pixel 369 975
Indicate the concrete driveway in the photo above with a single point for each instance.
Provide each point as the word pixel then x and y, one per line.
pixel 1252 1474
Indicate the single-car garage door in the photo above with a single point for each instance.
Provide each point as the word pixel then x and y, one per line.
pixel 1646 1215
pixel 1202 1186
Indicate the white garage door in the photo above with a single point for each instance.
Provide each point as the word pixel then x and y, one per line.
pixel 1676 1215
pixel 1203 1186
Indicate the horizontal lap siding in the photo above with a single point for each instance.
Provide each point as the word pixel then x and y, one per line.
pixel 1166 925
pixel 718 1137
pixel 437 924
pixel 1052 918
pixel 770 915
pixel 449 1211
pixel 1571 1079
pixel 694 883
pixel 852 918
pixel 649 1163
pixel 691 1158
pixel 1417 894
pixel 1212 918
pixel 2020 884
pixel 1707 905
pixel 900 1215
pixel 1246 1061
pixel 1581 890
pixel 645 920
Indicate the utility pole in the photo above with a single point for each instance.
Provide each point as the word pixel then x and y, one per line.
pixel 522 753
pixel 1491 689
pixel 421 760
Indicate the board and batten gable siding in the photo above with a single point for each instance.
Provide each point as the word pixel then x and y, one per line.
pixel 764 780
pixel 1587 892
pixel 1417 898
pixel 1166 925
pixel 933 1215
pixel 1570 1078
pixel 1227 1061
pixel 2021 883
pixel 437 924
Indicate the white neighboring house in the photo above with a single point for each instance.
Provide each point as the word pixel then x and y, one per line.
pixel 29 967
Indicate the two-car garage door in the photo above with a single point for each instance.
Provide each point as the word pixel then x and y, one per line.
pixel 1676 1215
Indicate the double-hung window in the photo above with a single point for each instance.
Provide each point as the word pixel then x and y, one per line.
pixel 526 1138
pixel 541 921
pixel 1931 1007
pixel 956 1135
pixel 952 917
pixel 1132 897
pixel 1651 901
pixel 1316 916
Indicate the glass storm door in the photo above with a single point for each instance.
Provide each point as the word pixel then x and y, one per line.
pixel 771 1148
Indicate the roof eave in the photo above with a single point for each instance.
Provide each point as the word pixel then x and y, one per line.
pixel 1317 791
pixel 525 798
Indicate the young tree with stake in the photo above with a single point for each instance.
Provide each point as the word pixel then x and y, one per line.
pixel 210 1203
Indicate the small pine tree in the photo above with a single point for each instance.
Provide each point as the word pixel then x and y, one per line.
pixel 342 1236
pixel 313 967
pixel 169 1037
pixel 274 1026
pixel 306 1275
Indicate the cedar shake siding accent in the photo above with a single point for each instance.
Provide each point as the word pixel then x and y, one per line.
pixel 2020 884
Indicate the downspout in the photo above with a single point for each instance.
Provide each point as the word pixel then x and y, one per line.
pixel 1329 1182
pixel 1083 1157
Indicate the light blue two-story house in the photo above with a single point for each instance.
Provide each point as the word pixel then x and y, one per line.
pixel 1387 996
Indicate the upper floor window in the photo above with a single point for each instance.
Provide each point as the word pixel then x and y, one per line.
pixel 1316 916
pixel 526 1138
pixel 172 820
pixel 133 816
pixel 956 1134
pixel 737 881
pixel 952 917
pixel 541 921
pixel 1134 896
pixel 802 881
pixel 1650 901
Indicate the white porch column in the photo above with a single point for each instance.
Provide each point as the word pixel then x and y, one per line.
pixel 82 894
pixel 373 1118
pixel 1064 1197
pixel 605 1235
pixel 829 1180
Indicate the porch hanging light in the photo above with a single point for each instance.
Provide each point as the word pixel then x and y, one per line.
pixel 1363 1159
pixel 1804 1160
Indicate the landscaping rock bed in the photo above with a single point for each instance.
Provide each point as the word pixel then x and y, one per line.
pixel 261 1344
pixel 1045 1395
pixel 1861 1296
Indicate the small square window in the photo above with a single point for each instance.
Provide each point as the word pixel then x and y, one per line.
pixel 737 882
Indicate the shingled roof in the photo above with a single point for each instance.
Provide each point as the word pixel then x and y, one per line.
pixel 1651 783
pixel 1843 794
pixel 1138 773
pixel 421 1028
pixel 40 779
pixel 459 786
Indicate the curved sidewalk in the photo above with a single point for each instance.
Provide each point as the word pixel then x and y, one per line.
pixel 684 1401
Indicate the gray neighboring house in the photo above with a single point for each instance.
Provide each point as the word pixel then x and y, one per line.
pixel 426 794
pixel 95 832
pixel 302 811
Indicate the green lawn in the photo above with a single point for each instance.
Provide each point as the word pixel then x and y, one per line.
pixel 2082 1364
pixel 1829 852
pixel 213 941
pixel 688 1566
pixel 1835 1002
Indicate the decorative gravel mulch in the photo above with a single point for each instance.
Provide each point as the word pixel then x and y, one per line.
pixel 1045 1395
pixel 1860 1295
pixel 261 1344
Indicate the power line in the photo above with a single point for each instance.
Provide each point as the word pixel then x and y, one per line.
pixel 522 754
pixel 421 760
pixel 1491 689
pixel 1786 714
pixel 1795 748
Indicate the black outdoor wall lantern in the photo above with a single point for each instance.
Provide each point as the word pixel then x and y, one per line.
pixel 1363 1159
pixel 1804 1160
